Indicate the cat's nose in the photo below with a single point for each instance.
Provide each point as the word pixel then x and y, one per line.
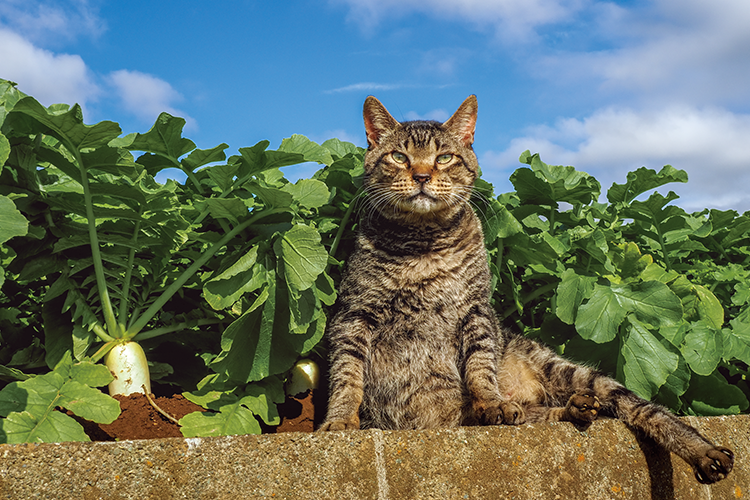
pixel 421 178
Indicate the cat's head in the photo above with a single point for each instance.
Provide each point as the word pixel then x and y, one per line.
pixel 419 168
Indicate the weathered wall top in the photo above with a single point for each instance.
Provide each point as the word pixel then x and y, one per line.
pixel 549 461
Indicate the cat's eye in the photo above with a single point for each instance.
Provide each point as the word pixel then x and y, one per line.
pixel 398 157
pixel 443 159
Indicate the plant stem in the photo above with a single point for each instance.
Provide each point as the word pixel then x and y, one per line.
pixel 101 281
pixel 499 256
pixel 122 314
pixel 667 262
pixel 192 177
pixel 340 232
pixel 190 271
pixel 533 295
pixel 552 214
pixel 174 328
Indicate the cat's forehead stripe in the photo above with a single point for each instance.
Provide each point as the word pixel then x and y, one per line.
pixel 422 135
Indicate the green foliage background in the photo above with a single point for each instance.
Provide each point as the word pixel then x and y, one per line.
pixel 225 280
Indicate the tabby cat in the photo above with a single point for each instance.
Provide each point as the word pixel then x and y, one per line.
pixel 414 342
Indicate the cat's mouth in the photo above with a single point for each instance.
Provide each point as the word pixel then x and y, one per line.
pixel 422 202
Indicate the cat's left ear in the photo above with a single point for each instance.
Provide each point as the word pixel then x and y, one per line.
pixel 464 121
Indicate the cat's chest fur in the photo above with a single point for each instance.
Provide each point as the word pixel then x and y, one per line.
pixel 420 275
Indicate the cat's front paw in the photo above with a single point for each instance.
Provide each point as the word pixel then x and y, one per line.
pixel 583 408
pixel 500 412
pixel 350 424
pixel 714 465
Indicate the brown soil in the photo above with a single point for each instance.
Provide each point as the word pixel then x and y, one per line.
pixel 297 413
pixel 139 419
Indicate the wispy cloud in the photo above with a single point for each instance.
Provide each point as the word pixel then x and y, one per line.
pixel 366 87
pixel 49 22
pixel 510 19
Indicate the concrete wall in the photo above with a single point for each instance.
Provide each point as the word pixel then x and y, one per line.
pixel 550 461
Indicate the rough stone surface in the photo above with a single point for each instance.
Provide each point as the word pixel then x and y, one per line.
pixel 550 461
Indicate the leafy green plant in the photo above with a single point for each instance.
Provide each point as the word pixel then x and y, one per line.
pixel 629 285
pixel 29 406
pixel 224 280
pixel 232 261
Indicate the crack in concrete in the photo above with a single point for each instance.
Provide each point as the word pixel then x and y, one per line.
pixel 380 470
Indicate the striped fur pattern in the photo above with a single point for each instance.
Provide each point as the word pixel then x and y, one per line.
pixel 414 342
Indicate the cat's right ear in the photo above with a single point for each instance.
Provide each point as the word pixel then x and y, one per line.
pixel 378 121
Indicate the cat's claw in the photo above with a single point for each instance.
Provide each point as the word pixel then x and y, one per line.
pixel 714 465
pixel 497 413
pixel 583 408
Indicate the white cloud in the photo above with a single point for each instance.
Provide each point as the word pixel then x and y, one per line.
pixel 686 50
pixel 51 78
pixel 51 22
pixel 709 143
pixel 510 18
pixel 65 78
pixel 145 95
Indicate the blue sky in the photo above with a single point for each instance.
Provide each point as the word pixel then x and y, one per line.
pixel 604 86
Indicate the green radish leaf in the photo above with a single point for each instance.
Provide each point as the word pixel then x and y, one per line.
pixel 4 150
pixel 230 413
pixel 309 193
pixel 200 157
pixel 231 419
pixel 340 148
pixel 550 184
pixel 163 139
pixel 571 292
pixel 244 276
pixel 633 263
pixel 30 117
pixel 643 180
pixel 647 363
pixel 54 427
pixel 261 398
pixel 703 348
pixel 652 301
pixel 256 159
pixel 500 223
pixel 713 395
pixel 303 257
pixel 271 197
pixel 246 343
pixel 12 222
pixel 599 319
pixel 89 403
pixel 30 405
pixel 707 306
pixel 223 175
pixel 737 343
pixel 677 383
pixel 232 209
pixel 307 148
